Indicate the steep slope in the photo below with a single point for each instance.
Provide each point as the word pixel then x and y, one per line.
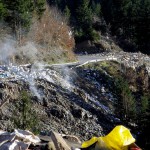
pixel 71 100
pixel 66 100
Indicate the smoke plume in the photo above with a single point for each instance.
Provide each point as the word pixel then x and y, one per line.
pixel 7 50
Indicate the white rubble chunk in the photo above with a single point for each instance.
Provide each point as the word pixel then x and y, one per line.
pixel 26 136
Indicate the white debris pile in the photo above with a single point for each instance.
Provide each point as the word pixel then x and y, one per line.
pixel 26 136
pixel 18 140
pixel 25 140
pixel 28 73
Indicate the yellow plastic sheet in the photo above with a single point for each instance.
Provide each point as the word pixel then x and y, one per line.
pixel 118 139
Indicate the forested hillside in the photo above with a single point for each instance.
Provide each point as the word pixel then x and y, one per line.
pixel 19 13
pixel 39 37
pixel 128 20
pixel 38 32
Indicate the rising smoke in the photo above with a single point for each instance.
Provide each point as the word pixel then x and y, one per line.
pixel 7 50
pixel 29 51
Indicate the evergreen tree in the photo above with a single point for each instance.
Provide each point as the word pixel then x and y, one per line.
pixel 67 12
pixel 143 112
pixel 84 14
pixel 24 116
pixel 84 20
pixel 132 18
pixel 39 7
pixel 142 26
pixel 126 105
pixel 18 14
pixel 144 122
pixel 144 104
pixel 3 10
pixel 96 8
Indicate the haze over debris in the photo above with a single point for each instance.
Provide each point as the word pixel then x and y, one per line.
pixel 76 67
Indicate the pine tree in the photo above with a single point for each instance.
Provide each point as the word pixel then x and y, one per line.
pixel 142 26
pixel 126 105
pixel 19 16
pixel 132 17
pixel 19 11
pixel 24 116
pixel 3 10
pixel 39 7
pixel 143 111
pixel 96 8
pixel 84 14
pixel 84 20
pixel 144 122
pixel 144 104
pixel 67 12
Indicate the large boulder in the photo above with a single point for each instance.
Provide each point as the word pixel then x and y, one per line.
pixel 59 142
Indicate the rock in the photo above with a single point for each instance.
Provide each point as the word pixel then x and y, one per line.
pixel 72 138
pixel 78 113
pixel 58 112
pixel 1 85
pixel 26 136
pixel 85 44
pixel 6 137
pixel 14 145
pixel 45 138
pixel 142 78
pixel 59 142
pixel 45 102
pixel 73 141
pixel 51 146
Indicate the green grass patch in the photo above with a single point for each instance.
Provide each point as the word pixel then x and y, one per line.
pixel 111 67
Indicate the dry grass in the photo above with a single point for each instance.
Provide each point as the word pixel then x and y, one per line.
pixel 52 33
pixel 49 39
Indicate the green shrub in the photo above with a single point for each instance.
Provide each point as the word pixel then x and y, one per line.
pixel 94 36
pixel 24 117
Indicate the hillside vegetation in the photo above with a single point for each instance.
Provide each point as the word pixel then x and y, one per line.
pixel 128 21
pixel 82 99
pixel 114 24
pixel 38 33
pixel 131 87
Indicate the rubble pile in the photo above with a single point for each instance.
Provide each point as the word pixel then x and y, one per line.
pixel 25 140
pixel 66 100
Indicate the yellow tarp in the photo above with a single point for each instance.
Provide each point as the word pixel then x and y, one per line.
pixel 118 139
